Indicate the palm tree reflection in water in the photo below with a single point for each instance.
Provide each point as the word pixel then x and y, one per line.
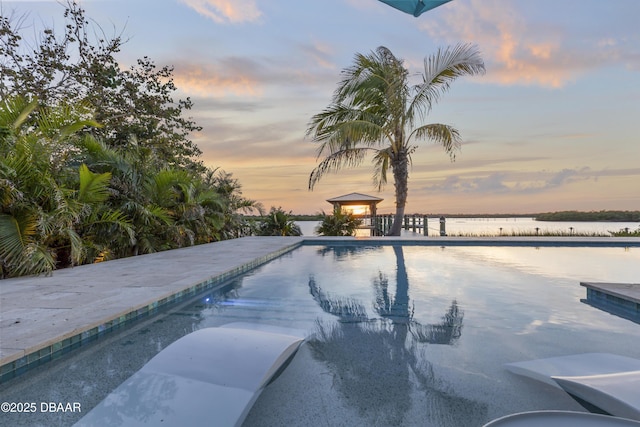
pixel 376 362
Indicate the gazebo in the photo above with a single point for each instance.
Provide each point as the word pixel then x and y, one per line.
pixel 358 204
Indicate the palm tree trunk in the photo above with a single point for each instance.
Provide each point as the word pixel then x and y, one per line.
pixel 400 166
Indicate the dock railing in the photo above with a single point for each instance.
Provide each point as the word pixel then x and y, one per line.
pixel 418 223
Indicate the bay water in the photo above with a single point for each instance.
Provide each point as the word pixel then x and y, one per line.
pixel 504 226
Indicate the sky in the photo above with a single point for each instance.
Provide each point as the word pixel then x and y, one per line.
pixel 553 124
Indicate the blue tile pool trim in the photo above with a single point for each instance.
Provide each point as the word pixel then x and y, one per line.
pixel 600 242
pixel 54 351
pixel 616 305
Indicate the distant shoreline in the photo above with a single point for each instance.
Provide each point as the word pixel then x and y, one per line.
pixel 593 216
pixel 561 216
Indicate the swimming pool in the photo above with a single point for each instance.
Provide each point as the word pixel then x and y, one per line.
pixel 402 335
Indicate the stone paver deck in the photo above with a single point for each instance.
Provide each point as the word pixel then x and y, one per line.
pixel 40 316
pixel 37 313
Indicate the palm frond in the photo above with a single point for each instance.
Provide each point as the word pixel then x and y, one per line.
pixel 76 126
pixel 213 200
pixel 94 187
pixel 445 135
pixel 78 247
pixel 372 78
pixel 18 249
pixel 14 235
pixel 24 112
pixel 64 120
pixel 9 193
pixel 159 213
pixel 161 188
pixel 340 125
pixel 349 157
pixel 382 162
pixel 39 259
pixel 114 219
pixel 440 70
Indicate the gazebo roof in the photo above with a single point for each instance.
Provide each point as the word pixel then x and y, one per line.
pixel 355 197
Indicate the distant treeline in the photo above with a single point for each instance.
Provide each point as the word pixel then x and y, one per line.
pixel 495 215
pixel 292 216
pixel 316 217
pixel 614 216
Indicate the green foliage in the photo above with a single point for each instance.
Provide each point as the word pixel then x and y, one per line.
pixel 278 223
pixel 94 187
pixel 46 202
pixel 234 205
pixel 616 216
pixel 338 224
pixel 303 217
pixel 95 160
pixel 626 232
pixel 79 66
pixel 68 199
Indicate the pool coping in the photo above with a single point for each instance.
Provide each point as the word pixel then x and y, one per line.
pixel 620 299
pixel 28 303
pixel 137 287
pixel 418 239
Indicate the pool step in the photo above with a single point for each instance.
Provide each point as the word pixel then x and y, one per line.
pixel 609 382
pixel 210 377
pixel 620 299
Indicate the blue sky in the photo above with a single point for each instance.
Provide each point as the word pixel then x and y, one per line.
pixel 554 124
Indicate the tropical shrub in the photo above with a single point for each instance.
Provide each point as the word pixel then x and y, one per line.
pixel 53 212
pixel 95 160
pixel 279 223
pixel 68 199
pixel 338 224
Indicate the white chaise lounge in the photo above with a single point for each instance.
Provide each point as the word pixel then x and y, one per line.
pixel 210 377
pixel 606 381
pixel 560 419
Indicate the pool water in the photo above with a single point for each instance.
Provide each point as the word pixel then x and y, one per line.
pixel 399 335
pixel 415 335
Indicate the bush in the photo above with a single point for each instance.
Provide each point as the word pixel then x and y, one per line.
pixel 338 224
pixel 279 223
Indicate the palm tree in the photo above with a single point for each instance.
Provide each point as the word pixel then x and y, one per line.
pixel 191 205
pixel 376 111
pixel 235 205
pixel 395 350
pixel 279 223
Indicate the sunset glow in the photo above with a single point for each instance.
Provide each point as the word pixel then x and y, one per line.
pixel 552 125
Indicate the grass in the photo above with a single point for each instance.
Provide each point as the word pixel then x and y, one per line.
pixel 534 233
pixel 625 232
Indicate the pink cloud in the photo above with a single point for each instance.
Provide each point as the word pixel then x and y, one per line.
pixel 226 11
pixel 515 52
pixel 207 81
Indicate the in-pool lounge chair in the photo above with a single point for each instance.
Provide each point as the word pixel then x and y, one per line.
pixel 210 377
pixel 608 382
pixel 560 419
